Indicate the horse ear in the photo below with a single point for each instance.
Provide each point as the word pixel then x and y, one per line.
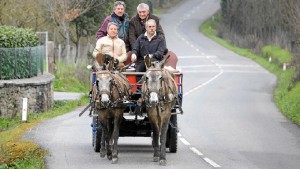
pixel 164 61
pixel 100 59
pixel 147 61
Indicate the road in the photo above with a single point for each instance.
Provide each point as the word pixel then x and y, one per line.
pixel 230 119
pixel 67 95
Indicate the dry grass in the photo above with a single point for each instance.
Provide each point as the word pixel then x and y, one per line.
pixel 14 148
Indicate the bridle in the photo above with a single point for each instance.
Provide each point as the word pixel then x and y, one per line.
pixel 162 94
pixel 112 83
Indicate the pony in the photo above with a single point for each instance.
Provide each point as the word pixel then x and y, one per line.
pixel 110 94
pixel 159 94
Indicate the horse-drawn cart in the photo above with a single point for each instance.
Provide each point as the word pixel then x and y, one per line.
pixel 135 122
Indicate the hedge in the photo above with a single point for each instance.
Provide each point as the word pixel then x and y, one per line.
pixel 20 57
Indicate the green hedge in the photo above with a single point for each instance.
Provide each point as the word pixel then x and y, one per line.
pixel 12 37
pixel 19 63
pixel 20 57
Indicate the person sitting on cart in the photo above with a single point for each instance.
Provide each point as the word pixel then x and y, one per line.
pixel 111 45
pixel 150 43
pixel 137 23
pixel 121 18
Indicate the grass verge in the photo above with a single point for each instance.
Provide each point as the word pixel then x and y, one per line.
pixel 286 94
pixel 18 153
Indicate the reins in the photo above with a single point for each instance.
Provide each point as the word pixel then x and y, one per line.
pixel 165 87
pixel 122 94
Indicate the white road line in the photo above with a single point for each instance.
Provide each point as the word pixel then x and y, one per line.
pixel 215 64
pixel 192 57
pixel 184 141
pixel 196 151
pixel 211 162
pixel 195 66
pixel 225 71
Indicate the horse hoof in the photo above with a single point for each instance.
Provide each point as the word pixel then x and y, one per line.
pixel 109 157
pixel 163 162
pixel 114 160
pixel 155 159
pixel 102 155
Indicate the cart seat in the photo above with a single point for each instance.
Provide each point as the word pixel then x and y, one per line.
pixel 172 62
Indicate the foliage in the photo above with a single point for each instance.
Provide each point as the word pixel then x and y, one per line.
pixel 71 79
pixel 252 25
pixel 12 37
pixel 18 63
pixel 18 153
pixel 88 23
pixel 281 55
pixel 287 92
pixel 131 7
pixel 25 14
pixel 289 104
pixel 20 57
pixel 22 154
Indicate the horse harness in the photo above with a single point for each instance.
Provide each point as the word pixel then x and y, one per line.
pixel 119 102
pixel 163 99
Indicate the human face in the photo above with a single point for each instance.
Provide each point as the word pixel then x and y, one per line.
pixel 119 10
pixel 143 13
pixel 112 31
pixel 151 28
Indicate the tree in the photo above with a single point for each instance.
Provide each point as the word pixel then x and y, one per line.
pixel 21 13
pixel 87 24
pixel 63 12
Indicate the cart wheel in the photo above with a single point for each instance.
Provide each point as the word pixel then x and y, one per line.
pixel 97 133
pixel 172 135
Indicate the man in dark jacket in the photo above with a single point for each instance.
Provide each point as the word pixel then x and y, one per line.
pixel 149 43
pixel 137 23
pixel 121 19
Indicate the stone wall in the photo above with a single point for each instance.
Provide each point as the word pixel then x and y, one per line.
pixel 38 90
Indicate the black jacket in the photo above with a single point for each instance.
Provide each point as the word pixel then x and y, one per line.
pixel 156 46
pixel 137 27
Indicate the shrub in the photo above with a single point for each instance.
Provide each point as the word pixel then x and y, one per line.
pixel 280 55
pixel 20 57
pixel 12 37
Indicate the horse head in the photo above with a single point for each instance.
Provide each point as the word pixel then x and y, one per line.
pixel 155 81
pixel 103 62
pixel 104 85
pixel 152 85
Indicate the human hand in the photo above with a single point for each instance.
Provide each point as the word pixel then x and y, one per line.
pixel 133 57
pixel 107 57
pixel 116 62
pixel 150 56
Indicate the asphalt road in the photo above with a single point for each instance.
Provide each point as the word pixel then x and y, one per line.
pixel 67 95
pixel 230 119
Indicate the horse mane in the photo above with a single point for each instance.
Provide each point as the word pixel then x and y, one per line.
pixel 123 86
pixel 169 85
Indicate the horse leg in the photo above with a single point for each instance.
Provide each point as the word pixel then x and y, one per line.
pixel 163 139
pixel 115 135
pixel 155 142
pixel 103 140
pixel 109 139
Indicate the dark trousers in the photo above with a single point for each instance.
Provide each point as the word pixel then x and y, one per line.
pixel 140 67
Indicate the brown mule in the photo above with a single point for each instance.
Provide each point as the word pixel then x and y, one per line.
pixel 159 92
pixel 109 93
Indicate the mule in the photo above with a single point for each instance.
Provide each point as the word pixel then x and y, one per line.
pixel 159 93
pixel 110 92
